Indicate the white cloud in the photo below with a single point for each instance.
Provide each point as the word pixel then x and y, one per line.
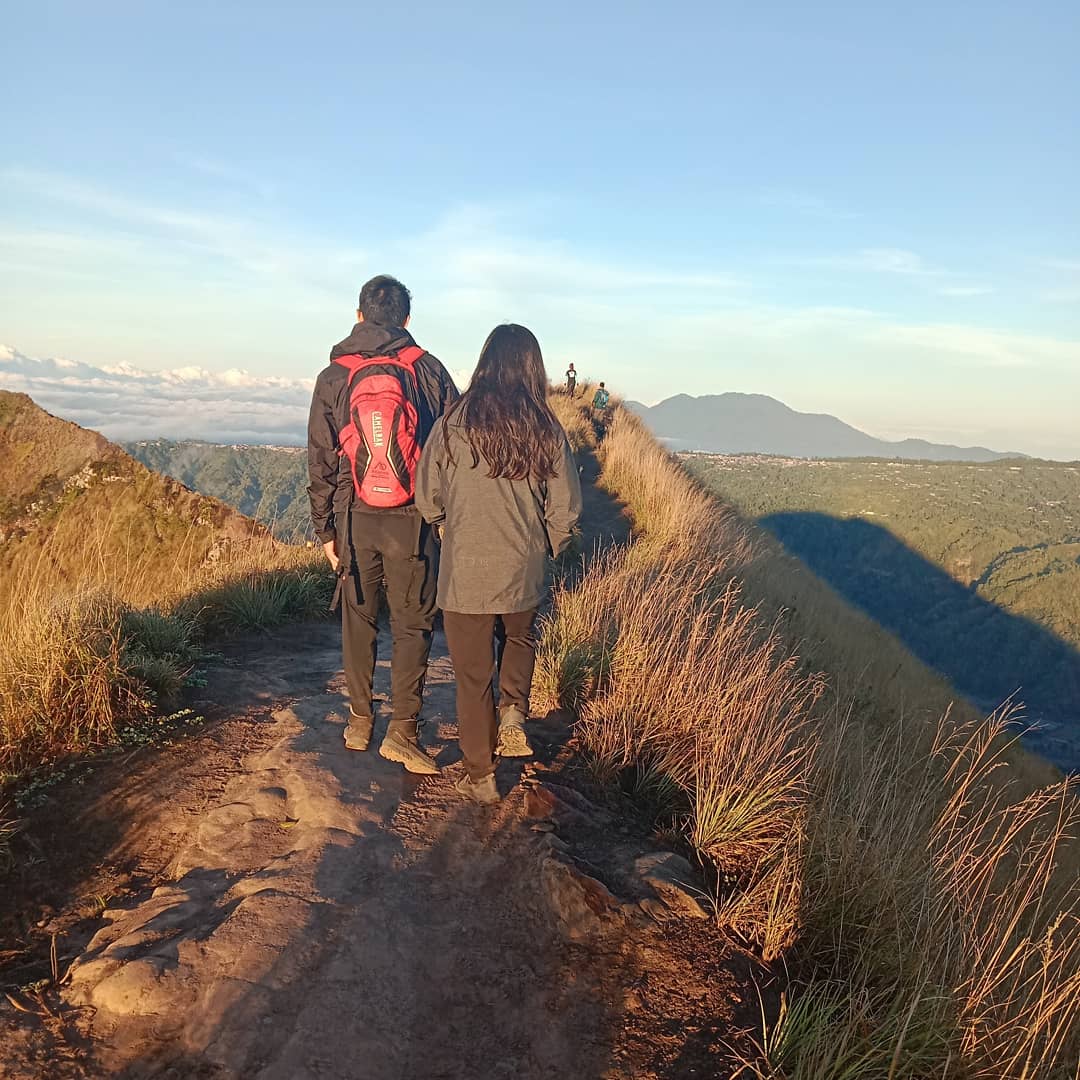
pixel 1066 287
pixel 870 332
pixel 893 261
pixel 983 347
pixel 965 290
pixel 124 402
pixel 1062 296
pixel 876 261
pixel 225 172
pixel 901 263
pixel 249 247
pixel 477 251
pixel 804 204
pixel 1070 266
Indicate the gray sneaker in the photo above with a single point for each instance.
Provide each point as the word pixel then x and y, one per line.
pixel 483 791
pixel 408 752
pixel 512 740
pixel 358 732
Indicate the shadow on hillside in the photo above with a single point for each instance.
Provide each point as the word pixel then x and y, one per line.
pixel 987 653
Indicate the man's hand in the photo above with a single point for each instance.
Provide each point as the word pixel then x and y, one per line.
pixel 330 547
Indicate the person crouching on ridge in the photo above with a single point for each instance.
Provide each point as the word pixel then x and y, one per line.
pixel 498 477
pixel 373 409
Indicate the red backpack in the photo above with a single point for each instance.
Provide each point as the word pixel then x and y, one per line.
pixel 382 437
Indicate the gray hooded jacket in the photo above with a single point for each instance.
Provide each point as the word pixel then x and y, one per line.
pixel 497 533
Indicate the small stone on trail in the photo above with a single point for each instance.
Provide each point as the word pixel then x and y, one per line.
pixel 654 909
pixel 543 826
pixel 578 902
pixel 553 842
pixel 574 798
pixel 670 876
pixel 542 802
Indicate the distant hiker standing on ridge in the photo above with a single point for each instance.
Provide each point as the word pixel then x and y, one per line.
pixel 372 411
pixel 600 399
pixel 571 380
pixel 498 476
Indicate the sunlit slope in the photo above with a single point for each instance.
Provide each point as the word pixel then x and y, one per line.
pixel 76 510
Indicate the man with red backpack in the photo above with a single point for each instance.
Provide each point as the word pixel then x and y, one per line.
pixel 371 413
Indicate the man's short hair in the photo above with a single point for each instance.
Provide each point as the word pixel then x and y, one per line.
pixel 384 301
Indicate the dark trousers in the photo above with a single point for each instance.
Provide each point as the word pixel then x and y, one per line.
pixel 473 650
pixel 400 551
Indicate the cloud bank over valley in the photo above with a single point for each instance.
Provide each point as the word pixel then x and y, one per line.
pixel 125 402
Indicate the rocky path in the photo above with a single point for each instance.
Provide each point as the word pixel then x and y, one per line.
pixel 329 915
pixel 274 906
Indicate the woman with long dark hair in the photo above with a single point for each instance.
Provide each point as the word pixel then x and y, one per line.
pixel 499 479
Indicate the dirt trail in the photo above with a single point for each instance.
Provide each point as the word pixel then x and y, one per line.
pixel 299 910
pixel 331 916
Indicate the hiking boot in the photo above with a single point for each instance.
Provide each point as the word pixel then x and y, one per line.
pixel 483 791
pixel 358 732
pixel 512 740
pixel 401 746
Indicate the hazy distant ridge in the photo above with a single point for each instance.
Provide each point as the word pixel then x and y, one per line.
pixel 758 424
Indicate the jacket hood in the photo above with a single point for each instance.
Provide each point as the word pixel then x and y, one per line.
pixel 367 339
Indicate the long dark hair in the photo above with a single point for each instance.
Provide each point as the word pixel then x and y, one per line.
pixel 505 413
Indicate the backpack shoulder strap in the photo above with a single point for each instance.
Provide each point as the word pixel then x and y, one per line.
pixel 409 355
pixel 406 357
pixel 351 362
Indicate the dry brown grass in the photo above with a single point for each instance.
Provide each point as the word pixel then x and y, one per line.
pixel 574 418
pixel 78 663
pixel 916 871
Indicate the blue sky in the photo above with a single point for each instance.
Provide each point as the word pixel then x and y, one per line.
pixel 861 210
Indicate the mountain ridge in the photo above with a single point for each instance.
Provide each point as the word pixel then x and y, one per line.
pixel 71 499
pixel 738 423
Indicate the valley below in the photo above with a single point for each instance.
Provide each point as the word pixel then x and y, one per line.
pixel 975 566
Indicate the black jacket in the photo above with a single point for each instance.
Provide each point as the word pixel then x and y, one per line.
pixel 330 485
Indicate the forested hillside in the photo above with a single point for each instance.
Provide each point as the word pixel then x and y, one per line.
pixel 975 566
pixel 268 483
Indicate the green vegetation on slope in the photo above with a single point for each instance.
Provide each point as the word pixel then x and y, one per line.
pixel 975 566
pixel 267 483
pixel 1010 528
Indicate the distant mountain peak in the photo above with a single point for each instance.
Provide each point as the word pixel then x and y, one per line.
pixel 741 423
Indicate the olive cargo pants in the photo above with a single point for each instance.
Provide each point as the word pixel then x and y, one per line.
pixel 396 548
